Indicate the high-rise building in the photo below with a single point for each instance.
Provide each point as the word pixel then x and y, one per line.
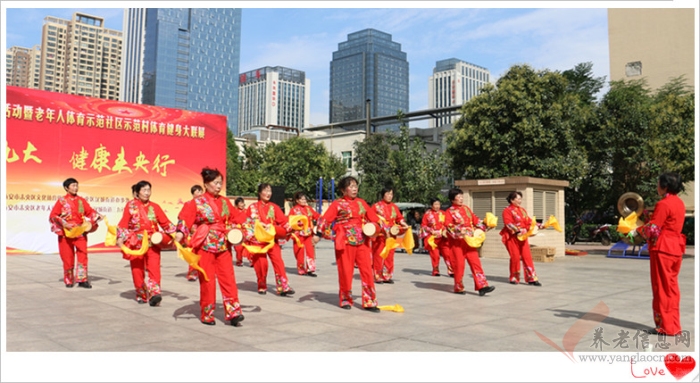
pixel 184 58
pixel 368 66
pixel 454 82
pixel 273 96
pixel 23 66
pixel 80 56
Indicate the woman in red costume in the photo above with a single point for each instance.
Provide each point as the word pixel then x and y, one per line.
pixel 240 250
pixel 346 216
pixel 70 211
pixel 666 246
pixel 460 221
pixel 431 232
pixel 304 250
pixel 389 216
pixel 517 222
pixel 268 214
pixel 208 221
pixel 141 215
pixel 196 191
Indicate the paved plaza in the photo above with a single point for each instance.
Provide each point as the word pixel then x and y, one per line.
pixel 598 295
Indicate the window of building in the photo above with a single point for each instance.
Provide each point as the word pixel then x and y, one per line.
pixel 347 159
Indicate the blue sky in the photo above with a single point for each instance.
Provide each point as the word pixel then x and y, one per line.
pixel 552 38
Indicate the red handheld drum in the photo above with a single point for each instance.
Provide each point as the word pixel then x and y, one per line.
pixel 161 239
pixel 370 229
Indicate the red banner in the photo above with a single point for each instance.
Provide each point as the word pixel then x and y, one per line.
pixel 107 146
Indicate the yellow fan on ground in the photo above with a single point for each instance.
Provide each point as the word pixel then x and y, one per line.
pixel 395 308
pixel 490 220
pixel 192 259
pixel 477 239
pixel 553 223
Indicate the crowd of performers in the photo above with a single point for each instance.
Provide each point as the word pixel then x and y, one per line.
pixel 210 228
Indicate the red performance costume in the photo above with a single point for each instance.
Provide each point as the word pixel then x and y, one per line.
pixel 191 271
pixel 267 213
pixel 207 222
pixel 458 219
pixel 240 250
pixel 346 216
pixel 516 221
pixel 304 250
pixel 666 248
pixel 72 210
pixel 431 230
pixel 137 218
pixel 389 216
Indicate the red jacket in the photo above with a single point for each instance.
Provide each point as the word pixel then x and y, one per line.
pixel 663 231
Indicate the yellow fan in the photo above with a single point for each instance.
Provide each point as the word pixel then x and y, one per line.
pixel 407 242
pixel 490 220
pixel 553 223
pixel 533 229
pixel 627 224
pixel 477 239
pixel 431 242
pixel 264 235
pixel 191 258
pixel 78 230
pixel 111 237
pixel 138 252
pixel 299 222
pixel 389 245
pixel 395 308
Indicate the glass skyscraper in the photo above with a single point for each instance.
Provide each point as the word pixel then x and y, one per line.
pixel 368 66
pixel 190 59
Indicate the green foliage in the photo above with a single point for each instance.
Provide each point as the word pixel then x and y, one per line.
pixel 372 162
pixel 522 127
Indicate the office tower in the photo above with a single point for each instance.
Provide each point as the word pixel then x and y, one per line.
pixel 454 82
pixel 184 58
pixel 273 96
pixel 368 66
pixel 23 66
pixel 80 56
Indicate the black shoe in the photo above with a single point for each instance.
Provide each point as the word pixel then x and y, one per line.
pixel 209 323
pixel 463 292
pixel 378 282
pixel 372 309
pixel 487 289
pixel 346 307
pixel 311 274
pixel 389 281
pixel 155 300
pixel 451 275
pixel 535 283
pixel 513 282
pixel 69 285
pixel 289 292
pixel 236 320
pixel 262 292
pixel 85 284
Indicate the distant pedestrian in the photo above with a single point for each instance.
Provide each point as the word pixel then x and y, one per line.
pixel 70 215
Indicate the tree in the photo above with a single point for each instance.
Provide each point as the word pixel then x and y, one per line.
pixel 372 162
pixel 522 127
pixel 234 165
pixel 297 164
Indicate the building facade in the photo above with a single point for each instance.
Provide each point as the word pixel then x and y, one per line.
pixel 454 82
pixel 368 66
pixel 184 58
pixel 23 66
pixel 80 56
pixel 273 96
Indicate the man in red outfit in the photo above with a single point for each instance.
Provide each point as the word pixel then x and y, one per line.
pixel 70 212
pixel 666 246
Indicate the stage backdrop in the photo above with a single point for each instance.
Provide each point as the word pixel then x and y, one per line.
pixel 107 146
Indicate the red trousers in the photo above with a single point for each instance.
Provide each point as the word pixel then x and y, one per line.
pixel 664 270
pixel 191 273
pixel 460 252
pixel 520 250
pixel 305 255
pixel 68 248
pixel 260 266
pixel 345 259
pixel 383 268
pixel 149 262
pixel 443 249
pixel 240 253
pixel 218 266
